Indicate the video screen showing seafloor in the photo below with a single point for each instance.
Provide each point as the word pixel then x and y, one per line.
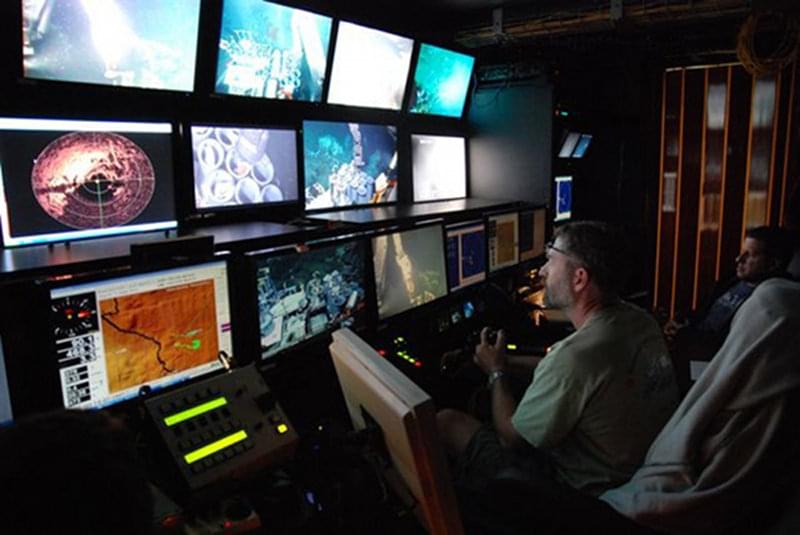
pixel 133 43
pixel 301 295
pixel 348 164
pixel 272 51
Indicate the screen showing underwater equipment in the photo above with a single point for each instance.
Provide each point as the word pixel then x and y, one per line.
pixel 409 269
pixel 148 44
pixel 441 81
pixel 243 166
pixel 466 254
pixel 438 167
pixel 122 337
pixel 563 198
pixel 272 51
pixel 63 180
pixel 305 294
pixel 370 68
pixel 349 164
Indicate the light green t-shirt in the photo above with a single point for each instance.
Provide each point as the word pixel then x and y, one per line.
pixel 599 398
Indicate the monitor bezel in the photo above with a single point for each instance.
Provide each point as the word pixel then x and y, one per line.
pixel 242 208
pixel 60 283
pixel 294 354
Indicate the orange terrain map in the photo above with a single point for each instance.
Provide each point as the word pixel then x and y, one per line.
pixel 150 335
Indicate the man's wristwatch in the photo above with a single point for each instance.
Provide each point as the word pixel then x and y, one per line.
pixel 494 375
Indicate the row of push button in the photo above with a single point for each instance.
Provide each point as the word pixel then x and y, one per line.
pixel 221 456
pixel 192 398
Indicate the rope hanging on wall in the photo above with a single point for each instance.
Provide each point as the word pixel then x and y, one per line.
pixel 763 26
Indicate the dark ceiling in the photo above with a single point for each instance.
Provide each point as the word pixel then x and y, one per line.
pixel 674 31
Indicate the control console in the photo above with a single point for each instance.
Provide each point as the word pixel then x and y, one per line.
pixel 223 427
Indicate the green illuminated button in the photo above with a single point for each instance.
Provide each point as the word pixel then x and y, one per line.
pixel 214 447
pixel 195 411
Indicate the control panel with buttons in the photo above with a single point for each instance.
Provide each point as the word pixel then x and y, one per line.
pixel 223 426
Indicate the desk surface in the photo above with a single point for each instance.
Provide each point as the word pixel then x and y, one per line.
pixel 117 249
pixel 378 214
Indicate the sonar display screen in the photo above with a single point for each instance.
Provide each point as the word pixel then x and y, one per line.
pixel 466 254
pixel 243 166
pixel 123 337
pixel 302 295
pixel 349 164
pixel 67 180
pixel 441 81
pixel 370 68
pixel 563 198
pixel 132 43
pixel 409 269
pixel 272 51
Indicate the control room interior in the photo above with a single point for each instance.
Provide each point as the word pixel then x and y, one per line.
pixel 270 224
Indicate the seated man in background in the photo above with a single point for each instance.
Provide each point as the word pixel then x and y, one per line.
pixel 72 472
pixel 766 253
pixel 596 400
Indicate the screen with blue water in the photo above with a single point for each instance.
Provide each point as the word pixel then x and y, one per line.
pixel 441 81
pixel 272 51
pixel 348 164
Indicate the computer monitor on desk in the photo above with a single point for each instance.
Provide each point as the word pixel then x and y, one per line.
pixel 375 391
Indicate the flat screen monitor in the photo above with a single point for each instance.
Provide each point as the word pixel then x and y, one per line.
pixel 67 180
pixel 531 233
pixel 409 269
pixel 6 412
pixel 148 44
pixel 370 68
pixel 438 167
pixel 563 198
pixel 502 233
pixel 466 254
pixel 403 417
pixel 568 146
pixel 243 166
pixel 349 164
pixel 305 294
pixel 441 81
pixel 126 336
pixel 272 51
pixel 582 146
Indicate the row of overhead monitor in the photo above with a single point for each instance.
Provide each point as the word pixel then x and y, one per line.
pixel 117 337
pixel 264 50
pixel 63 180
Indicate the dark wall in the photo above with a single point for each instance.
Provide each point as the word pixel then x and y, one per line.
pixel 510 147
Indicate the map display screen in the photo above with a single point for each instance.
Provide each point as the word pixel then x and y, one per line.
pixel 124 337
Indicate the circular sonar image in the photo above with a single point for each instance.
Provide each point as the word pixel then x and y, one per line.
pixel 89 180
